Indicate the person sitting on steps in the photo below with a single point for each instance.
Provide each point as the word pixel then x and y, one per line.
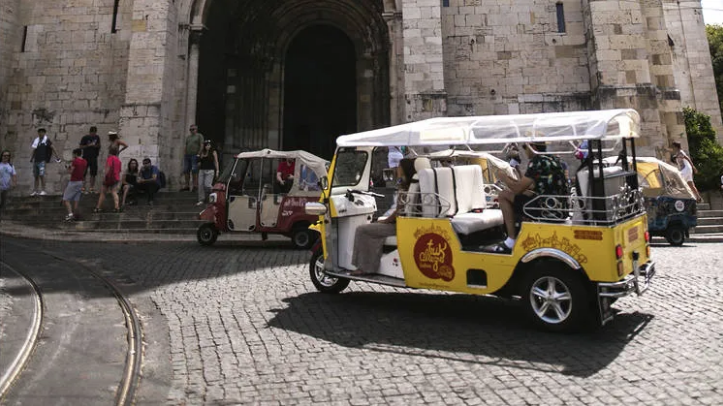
pixel 148 181
pixel 544 176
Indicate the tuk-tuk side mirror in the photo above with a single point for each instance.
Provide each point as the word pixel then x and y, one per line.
pixel 323 182
pixel 315 209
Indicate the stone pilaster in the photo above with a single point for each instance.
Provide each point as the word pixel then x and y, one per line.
pixel 146 116
pixel 693 69
pixel 424 88
pixel 623 50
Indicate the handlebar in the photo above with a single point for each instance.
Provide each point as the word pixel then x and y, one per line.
pixel 362 192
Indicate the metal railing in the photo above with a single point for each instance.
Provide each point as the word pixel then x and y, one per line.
pixel 570 209
pixel 587 210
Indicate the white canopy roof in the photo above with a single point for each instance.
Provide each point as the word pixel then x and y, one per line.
pixel 316 164
pixel 581 125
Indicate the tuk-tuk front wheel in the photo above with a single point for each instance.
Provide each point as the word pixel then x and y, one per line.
pixel 323 282
pixel 675 235
pixel 555 299
pixel 207 234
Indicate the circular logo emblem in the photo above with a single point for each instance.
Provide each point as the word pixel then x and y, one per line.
pixel 433 257
pixel 679 205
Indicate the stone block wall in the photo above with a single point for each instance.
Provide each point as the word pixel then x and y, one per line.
pixel 69 74
pixel 9 33
pixel 424 78
pixel 507 57
pixel 631 67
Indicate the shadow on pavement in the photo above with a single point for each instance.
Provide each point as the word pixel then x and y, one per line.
pixel 464 328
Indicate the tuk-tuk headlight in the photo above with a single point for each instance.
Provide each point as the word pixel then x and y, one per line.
pixel 212 198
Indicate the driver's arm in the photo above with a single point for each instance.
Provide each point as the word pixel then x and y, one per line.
pixel 516 186
pixel 278 177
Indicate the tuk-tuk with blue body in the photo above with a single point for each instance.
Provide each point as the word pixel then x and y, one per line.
pixel 671 205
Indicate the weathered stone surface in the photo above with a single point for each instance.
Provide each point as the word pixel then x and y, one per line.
pixel 63 67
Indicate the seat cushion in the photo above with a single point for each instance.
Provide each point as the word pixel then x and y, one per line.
pixel 468 223
pixel 391 241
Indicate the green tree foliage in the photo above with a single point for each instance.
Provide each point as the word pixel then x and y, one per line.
pixel 715 41
pixel 706 153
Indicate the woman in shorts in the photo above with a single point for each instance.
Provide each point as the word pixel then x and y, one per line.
pixel 111 181
pixel 685 164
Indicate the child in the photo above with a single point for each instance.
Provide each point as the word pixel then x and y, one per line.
pixel 8 177
pixel 75 185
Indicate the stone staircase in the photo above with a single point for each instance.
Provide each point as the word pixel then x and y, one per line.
pixel 709 221
pixel 172 212
pixel 176 213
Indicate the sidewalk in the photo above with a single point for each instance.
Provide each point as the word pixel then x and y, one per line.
pixel 14 229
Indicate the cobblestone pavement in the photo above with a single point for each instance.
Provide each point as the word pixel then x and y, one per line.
pixel 247 327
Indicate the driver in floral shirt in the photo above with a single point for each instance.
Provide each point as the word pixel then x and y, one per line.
pixel 544 176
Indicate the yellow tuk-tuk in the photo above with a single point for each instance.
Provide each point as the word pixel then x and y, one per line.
pixel 573 256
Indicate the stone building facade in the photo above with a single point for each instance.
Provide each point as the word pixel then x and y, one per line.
pixel 297 73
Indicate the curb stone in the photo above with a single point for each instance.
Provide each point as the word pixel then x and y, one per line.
pixel 14 229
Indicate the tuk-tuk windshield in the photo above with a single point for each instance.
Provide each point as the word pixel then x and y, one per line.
pixel 226 173
pixel 349 168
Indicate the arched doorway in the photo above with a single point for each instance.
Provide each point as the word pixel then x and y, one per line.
pixel 339 79
pixel 320 90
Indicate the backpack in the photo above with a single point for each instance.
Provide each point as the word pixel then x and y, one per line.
pixel 46 148
pixel 161 179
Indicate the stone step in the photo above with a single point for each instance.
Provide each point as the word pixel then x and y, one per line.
pixel 167 205
pixel 92 200
pixel 59 213
pixel 710 213
pixel 131 232
pixel 128 225
pixel 707 229
pixel 703 206
pixel 710 221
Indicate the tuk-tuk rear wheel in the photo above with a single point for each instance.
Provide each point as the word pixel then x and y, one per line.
pixel 303 238
pixel 555 299
pixel 323 282
pixel 675 235
pixel 207 234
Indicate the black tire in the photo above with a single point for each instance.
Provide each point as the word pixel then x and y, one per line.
pixel 675 235
pixel 303 238
pixel 207 234
pixel 557 314
pixel 321 281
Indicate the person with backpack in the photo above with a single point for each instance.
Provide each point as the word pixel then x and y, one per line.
pixel 43 151
pixel 149 180
pixel 111 181
pixel 8 177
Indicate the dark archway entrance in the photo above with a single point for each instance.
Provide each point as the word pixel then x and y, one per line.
pixel 278 74
pixel 320 90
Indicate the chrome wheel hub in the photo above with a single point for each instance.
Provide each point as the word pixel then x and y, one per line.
pixel 551 300
pixel 321 276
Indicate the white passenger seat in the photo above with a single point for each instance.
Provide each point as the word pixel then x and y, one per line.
pixel 458 193
pixel 472 215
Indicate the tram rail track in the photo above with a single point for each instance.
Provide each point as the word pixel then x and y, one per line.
pixel 18 364
pixel 128 385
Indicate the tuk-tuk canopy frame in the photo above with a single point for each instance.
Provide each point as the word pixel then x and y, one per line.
pixel 603 125
pixel 311 161
pixel 672 183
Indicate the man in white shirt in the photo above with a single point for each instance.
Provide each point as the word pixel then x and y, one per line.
pixel 43 151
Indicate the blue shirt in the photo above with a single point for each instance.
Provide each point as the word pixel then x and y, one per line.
pixel 148 173
pixel 7 172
